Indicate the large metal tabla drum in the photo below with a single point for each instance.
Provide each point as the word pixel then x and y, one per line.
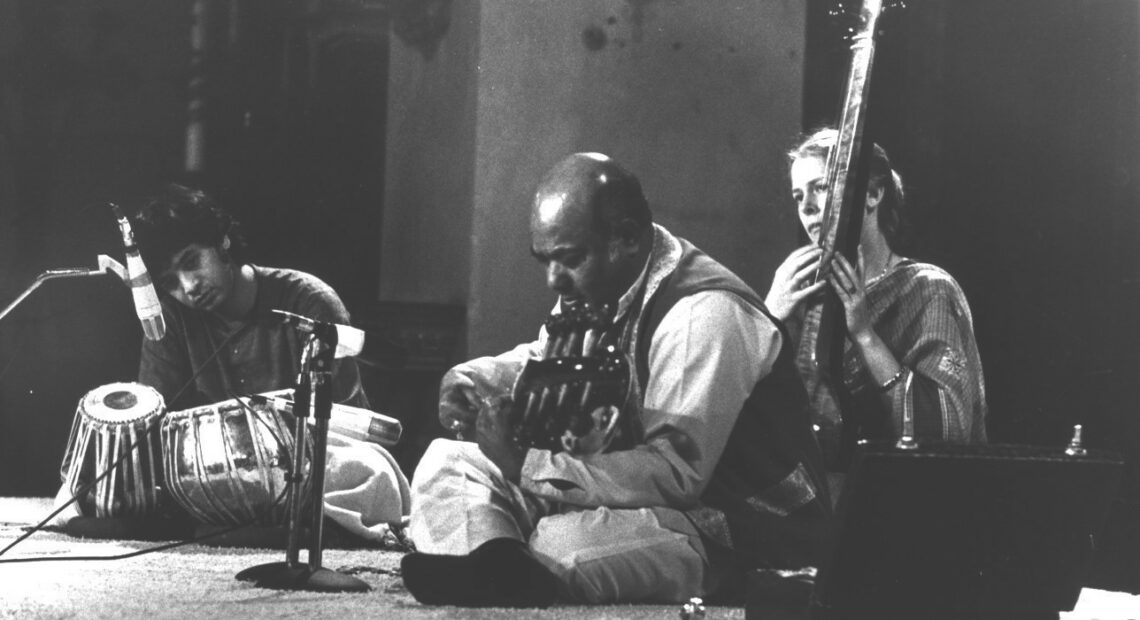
pixel 229 463
pixel 115 431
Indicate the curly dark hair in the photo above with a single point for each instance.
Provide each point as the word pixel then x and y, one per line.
pixel 179 216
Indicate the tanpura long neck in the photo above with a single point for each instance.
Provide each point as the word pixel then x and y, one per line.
pixel 821 344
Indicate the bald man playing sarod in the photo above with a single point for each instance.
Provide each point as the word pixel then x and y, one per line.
pixel 723 473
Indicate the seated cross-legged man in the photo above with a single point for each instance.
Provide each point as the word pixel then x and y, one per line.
pixel 223 340
pixel 719 473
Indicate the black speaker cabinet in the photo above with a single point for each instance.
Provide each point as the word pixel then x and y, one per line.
pixel 964 532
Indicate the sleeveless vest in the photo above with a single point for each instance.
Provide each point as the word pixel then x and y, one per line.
pixel 769 487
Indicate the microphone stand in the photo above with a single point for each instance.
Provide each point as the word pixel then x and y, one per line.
pixel 313 390
pixel 106 265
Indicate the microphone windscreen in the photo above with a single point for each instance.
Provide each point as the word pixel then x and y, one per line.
pixel 349 341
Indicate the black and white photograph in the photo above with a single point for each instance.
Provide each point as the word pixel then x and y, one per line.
pixel 698 309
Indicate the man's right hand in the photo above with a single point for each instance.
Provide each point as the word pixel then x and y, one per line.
pixel 790 283
pixel 468 387
pixel 459 402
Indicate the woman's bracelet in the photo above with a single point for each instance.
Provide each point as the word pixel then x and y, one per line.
pixel 889 383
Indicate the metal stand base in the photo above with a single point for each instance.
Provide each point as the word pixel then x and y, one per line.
pixel 284 576
pixel 313 392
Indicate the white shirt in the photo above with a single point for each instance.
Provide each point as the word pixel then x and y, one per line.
pixel 707 355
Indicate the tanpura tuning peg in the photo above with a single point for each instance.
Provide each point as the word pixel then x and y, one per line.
pixel 1075 445
pixel 693 610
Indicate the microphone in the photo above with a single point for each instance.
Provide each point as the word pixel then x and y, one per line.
pixel 147 305
pixel 354 422
pixel 350 341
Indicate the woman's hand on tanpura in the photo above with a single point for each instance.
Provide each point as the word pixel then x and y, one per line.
pixel 848 285
pixel 791 282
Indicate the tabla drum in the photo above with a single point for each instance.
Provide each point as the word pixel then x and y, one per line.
pixel 229 463
pixel 115 432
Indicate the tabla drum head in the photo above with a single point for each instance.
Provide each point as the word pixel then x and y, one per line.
pixel 114 446
pixel 119 403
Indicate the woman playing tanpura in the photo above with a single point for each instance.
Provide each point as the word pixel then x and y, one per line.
pixel 910 333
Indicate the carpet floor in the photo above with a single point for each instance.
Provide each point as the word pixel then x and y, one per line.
pixel 198 581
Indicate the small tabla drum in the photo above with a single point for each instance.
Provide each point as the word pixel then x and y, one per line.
pixel 115 432
pixel 229 463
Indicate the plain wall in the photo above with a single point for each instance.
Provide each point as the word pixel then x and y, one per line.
pixel 697 98
pixel 425 245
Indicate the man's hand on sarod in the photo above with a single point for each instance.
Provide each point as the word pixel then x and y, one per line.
pixel 493 434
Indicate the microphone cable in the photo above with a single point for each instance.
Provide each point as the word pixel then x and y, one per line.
pixel 130 451
pixel 88 485
pixel 85 487
pixel 132 554
pixel 213 356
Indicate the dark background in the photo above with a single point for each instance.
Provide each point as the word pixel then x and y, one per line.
pixel 1014 123
pixel 96 100
pixel 1015 127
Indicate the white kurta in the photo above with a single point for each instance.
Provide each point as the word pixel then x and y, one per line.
pixel 611 525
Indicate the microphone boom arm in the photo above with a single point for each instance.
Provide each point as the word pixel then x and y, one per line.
pixel 106 264
pixel 110 265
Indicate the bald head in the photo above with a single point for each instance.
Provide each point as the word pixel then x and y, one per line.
pixel 594 187
pixel 591 228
